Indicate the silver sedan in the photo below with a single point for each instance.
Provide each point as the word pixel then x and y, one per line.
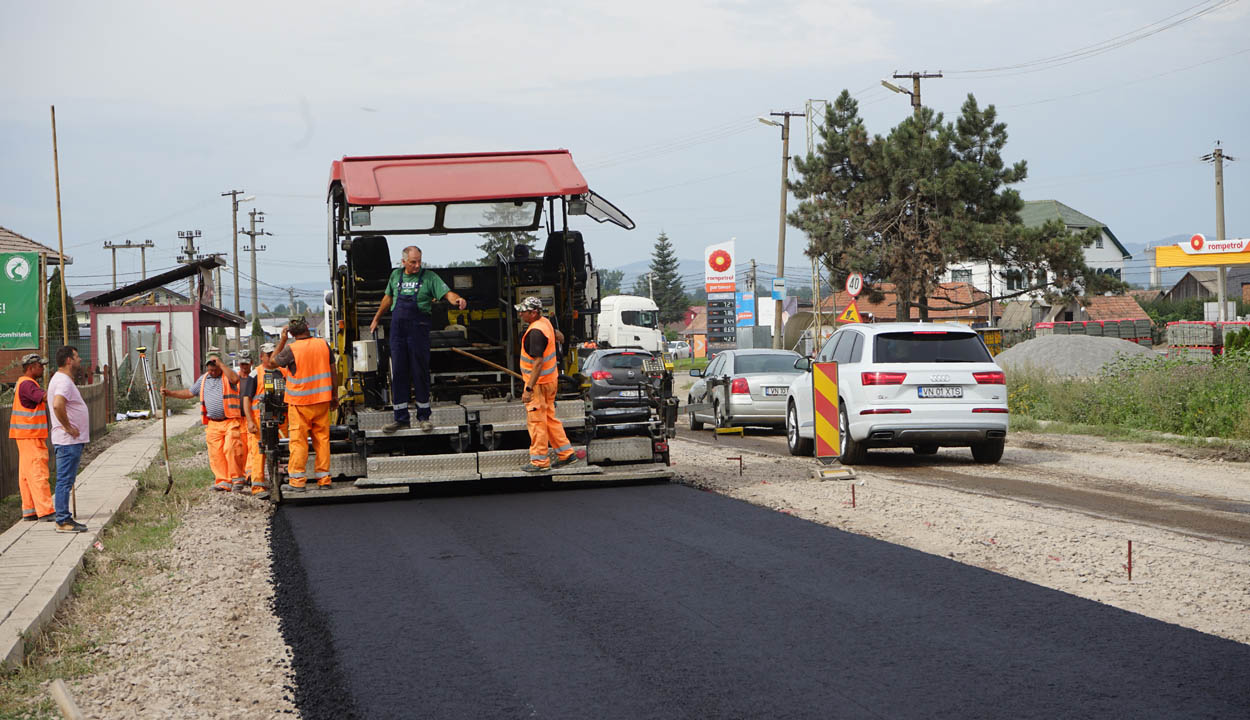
pixel 742 387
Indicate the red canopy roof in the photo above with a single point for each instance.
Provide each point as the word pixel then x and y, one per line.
pixel 411 179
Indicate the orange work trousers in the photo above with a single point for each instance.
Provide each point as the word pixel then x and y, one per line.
pixel 222 438
pixel 255 462
pixel 241 448
pixel 545 430
pixel 303 421
pixel 32 477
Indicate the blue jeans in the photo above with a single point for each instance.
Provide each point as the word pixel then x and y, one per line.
pixel 67 457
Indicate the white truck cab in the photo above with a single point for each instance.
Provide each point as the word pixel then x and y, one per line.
pixel 630 321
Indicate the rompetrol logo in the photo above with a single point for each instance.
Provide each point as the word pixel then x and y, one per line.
pixel 719 261
pixel 1197 241
pixel 17 269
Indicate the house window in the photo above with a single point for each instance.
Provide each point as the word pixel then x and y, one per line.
pixel 1098 242
pixel 1015 281
pixel 961 276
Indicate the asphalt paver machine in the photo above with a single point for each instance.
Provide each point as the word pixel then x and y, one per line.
pixel 443 204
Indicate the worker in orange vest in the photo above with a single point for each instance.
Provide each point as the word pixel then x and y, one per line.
pixel 220 410
pixel 311 390
pixel 28 426
pixel 538 368
pixel 245 374
pixel 252 390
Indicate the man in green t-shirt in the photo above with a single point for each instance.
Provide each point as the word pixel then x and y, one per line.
pixel 412 291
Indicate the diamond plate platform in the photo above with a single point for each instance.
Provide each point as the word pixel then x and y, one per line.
pixel 348 465
pixel 441 414
pixel 627 449
pixel 409 469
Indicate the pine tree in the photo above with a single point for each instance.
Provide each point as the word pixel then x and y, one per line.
pixel 502 242
pixel 904 207
pixel 669 296
pixel 610 282
pixel 55 313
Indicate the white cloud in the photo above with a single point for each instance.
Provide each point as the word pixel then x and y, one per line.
pixel 180 53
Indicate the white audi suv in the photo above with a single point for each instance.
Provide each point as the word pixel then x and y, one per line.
pixel 918 385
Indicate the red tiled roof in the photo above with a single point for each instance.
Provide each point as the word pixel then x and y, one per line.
pixel 940 302
pixel 1113 307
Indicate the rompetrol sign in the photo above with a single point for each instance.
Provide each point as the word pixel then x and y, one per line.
pixel 19 301
pixel 1199 251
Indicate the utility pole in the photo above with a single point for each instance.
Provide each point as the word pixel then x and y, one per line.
pixel 916 77
pixel 191 252
pixel 142 247
pixel 781 222
pixel 815 107
pixel 234 223
pixel 651 285
pixel 257 216
pixel 1217 157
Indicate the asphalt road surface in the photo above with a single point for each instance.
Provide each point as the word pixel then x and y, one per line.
pixel 661 601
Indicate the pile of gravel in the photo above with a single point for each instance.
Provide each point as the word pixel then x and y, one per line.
pixel 1079 356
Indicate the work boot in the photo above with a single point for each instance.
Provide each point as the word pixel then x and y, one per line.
pixel 50 517
pixel 295 489
pixel 427 426
pixel 239 486
pixel 222 486
pixel 570 460
pixel 532 468
pixel 393 426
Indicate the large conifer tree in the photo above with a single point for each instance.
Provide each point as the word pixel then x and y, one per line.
pixel 669 297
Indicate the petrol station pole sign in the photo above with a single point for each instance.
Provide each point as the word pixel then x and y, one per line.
pixel 720 281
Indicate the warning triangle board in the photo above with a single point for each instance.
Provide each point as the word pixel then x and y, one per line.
pixel 850 314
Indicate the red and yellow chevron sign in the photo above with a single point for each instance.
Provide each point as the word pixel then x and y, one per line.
pixel 825 405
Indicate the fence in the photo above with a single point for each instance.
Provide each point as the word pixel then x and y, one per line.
pixel 97 399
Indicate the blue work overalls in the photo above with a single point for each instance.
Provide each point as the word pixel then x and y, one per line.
pixel 410 354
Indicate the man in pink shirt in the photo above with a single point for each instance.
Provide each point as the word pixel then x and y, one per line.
pixel 71 429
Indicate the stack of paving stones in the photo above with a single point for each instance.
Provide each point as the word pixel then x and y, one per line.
pixel 1199 340
pixel 1134 330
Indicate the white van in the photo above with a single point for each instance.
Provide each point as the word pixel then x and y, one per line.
pixel 630 321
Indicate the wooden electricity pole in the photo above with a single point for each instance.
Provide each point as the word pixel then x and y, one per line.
pixel 1217 157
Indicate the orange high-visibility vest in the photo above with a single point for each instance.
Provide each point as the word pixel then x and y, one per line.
pixel 545 367
pixel 229 399
pixel 312 382
pixel 256 396
pixel 27 422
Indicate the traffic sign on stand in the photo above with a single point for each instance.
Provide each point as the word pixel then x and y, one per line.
pixel 850 314
pixel 854 284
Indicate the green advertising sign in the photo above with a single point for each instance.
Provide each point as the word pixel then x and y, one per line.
pixel 19 301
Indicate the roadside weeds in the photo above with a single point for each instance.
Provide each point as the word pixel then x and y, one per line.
pixel 114 575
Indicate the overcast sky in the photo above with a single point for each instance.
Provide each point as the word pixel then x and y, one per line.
pixel 162 106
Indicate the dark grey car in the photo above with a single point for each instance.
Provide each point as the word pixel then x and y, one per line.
pixel 619 377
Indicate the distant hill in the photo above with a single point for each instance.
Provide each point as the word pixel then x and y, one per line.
pixel 1137 268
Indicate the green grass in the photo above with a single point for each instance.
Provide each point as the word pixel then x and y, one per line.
pixel 112 578
pixel 684 365
pixel 1193 399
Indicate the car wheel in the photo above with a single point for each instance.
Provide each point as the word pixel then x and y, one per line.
pixel 721 420
pixel 851 452
pixel 798 444
pixel 925 449
pixel 989 451
pixel 694 424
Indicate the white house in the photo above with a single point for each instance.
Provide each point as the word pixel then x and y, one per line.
pixel 1106 255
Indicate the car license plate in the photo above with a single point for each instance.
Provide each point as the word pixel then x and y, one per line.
pixel 629 393
pixel 775 391
pixel 941 391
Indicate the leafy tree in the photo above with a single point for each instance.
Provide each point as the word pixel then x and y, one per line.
pixel 55 310
pixel 670 296
pixel 902 208
pixel 610 282
pixel 503 241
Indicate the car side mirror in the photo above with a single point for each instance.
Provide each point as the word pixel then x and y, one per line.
pixel 696 372
pixel 804 364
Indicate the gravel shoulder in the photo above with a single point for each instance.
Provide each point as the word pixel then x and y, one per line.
pixel 196 636
pixel 1197 583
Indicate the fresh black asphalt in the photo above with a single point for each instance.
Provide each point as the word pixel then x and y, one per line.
pixel 662 601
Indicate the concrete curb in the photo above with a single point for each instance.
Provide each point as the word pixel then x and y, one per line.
pixel 38 565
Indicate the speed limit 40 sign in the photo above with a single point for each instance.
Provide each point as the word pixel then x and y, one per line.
pixel 854 283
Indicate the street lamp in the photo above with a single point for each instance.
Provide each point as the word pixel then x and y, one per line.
pixel 781 221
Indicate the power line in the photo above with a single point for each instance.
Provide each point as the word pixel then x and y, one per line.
pixel 1174 20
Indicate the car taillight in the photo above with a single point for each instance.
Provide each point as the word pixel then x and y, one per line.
pixel 601 375
pixel 882 378
pixel 990 410
pixel 993 377
pixel 739 387
pixel 885 411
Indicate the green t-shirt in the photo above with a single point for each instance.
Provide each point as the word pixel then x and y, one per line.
pixel 432 287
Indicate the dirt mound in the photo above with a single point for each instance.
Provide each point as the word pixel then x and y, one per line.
pixel 1069 355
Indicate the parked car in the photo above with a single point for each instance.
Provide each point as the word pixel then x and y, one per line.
pixel 618 376
pixel 743 387
pixel 918 385
pixel 679 349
